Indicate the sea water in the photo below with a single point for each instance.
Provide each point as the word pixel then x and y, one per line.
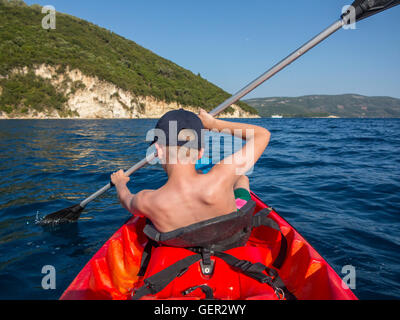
pixel 337 181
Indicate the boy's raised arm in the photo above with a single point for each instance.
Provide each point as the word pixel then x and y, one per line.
pixel 256 137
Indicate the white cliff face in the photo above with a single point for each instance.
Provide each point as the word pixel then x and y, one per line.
pixel 90 98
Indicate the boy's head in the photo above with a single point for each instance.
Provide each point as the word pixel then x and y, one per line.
pixel 179 137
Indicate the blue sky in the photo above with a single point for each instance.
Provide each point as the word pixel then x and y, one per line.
pixel 231 42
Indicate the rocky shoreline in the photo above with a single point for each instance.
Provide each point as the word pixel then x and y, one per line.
pixel 91 98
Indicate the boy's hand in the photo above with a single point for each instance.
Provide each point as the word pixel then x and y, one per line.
pixel 207 119
pixel 119 178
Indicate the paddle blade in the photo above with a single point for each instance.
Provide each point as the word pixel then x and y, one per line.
pixel 365 8
pixel 70 214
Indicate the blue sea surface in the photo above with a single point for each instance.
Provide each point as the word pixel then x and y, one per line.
pixel 337 181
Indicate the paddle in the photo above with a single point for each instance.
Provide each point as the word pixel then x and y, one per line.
pixel 362 9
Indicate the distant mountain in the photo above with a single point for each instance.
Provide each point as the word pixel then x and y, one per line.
pixel 79 69
pixel 342 106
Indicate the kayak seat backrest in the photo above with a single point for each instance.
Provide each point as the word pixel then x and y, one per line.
pixel 217 234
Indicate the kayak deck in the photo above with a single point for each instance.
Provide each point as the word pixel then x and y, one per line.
pixel 111 274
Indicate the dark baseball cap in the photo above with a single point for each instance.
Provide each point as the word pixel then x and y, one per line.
pixel 173 122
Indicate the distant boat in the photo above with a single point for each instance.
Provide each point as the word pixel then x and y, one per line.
pixel 276 116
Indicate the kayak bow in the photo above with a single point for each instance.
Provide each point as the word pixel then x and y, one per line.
pixel 112 273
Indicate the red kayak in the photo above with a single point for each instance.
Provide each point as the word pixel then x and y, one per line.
pixel 112 273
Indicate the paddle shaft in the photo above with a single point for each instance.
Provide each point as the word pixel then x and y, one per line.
pixel 279 66
pixel 108 186
pixel 264 77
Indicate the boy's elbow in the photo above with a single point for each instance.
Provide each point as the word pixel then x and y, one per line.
pixel 265 135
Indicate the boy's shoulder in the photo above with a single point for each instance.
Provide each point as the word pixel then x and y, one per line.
pixel 142 201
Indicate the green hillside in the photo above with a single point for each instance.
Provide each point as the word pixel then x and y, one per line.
pixel 343 106
pixel 96 52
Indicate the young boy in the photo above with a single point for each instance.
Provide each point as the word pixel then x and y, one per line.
pixel 189 197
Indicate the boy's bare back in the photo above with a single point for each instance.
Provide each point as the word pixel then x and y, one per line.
pixel 181 203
